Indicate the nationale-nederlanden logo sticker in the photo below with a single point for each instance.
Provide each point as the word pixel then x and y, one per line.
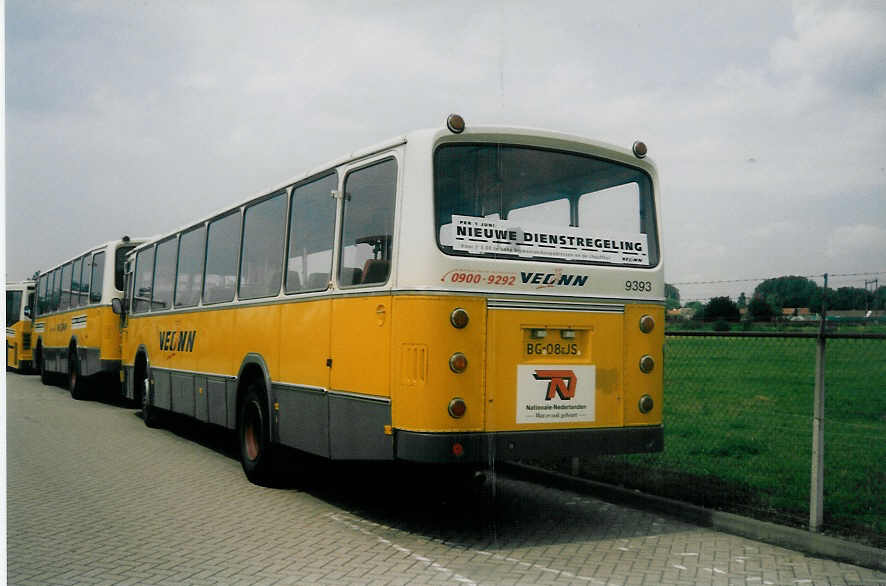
pixel 555 393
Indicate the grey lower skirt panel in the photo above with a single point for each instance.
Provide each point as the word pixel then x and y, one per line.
pixel 90 360
pixel 205 397
pixel 340 426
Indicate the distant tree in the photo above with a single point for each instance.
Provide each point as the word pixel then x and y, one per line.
pixel 721 308
pixel 742 301
pixel 820 294
pixel 879 301
pixel 760 310
pixel 774 302
pixel 787 291
pixel 672 296
pixel 697 309
pixel 848 298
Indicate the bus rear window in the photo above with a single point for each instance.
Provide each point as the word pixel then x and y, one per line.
pixel 503 201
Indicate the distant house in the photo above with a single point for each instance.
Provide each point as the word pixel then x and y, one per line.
pixel 685 312
pixel 856 313
pixel 789 311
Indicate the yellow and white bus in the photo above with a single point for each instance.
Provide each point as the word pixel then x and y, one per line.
pixel 19 300
pixel 455 295
pixel 77 332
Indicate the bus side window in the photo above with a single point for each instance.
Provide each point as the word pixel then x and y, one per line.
pixel 311 235
pixel 75 283
pixel 56 288
pixel 65 302
pixel 119 263
pixel 261 269
pixel 368 224
pixel 84 281
pixel 164 274
pixel 144 274
pixel 189 280
pixel 222 246
pixel 98 274
pixel 41 294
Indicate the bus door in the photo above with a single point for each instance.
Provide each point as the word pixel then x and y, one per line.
pixel 361 315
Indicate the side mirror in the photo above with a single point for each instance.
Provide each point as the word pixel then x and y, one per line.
pixel 117 306
pixel 28 312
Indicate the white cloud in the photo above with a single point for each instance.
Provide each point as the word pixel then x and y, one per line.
pixel 175 111
pixel 858 245
pixel 840 44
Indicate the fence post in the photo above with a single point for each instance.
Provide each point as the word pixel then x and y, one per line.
pixel 816 491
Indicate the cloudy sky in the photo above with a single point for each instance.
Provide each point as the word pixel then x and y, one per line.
pixel 767 119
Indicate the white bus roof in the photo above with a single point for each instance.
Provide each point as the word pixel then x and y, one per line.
pixel 531 136
pixel 135 241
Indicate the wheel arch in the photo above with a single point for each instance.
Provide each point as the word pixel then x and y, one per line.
pixel 253 367
pixel 140 360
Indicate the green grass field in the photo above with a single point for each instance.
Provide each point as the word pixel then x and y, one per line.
pixel 738 423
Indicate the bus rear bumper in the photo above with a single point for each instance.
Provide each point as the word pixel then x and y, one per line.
pixel 486 447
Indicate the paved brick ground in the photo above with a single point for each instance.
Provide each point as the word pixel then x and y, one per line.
pixel 95 497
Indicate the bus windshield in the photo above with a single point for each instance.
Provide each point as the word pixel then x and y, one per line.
pixel 508 201
pixel 13 307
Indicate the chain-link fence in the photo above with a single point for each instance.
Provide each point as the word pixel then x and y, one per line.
pixel 738 420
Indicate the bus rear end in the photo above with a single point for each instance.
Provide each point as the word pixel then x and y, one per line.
pixel 19 298
pixel 530 322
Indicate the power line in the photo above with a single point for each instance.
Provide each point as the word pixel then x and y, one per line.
pixel 751 280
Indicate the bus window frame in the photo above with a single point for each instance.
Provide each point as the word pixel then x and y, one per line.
pixel 41 297
pixel 230 212
pixel 86 265
pixel 286 192
pixel 334 229
pixel 62 306
pixel 340 217
pixel 101 276
pixel 17 303
pixel 199 301
pixel 135 267
pixel 652 211
pixel 78 263
pixel 56 288
pixel 156 246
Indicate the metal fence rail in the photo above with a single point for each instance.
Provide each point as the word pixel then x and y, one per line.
pixel 738 417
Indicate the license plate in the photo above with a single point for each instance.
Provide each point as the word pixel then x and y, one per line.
pixel 552 349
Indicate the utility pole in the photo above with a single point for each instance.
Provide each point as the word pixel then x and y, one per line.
pixel 816 490
pixel 874 284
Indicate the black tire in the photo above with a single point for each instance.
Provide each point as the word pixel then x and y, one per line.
pixel 254 433
pixel 150 414
pixel 76 384
pixel 45 377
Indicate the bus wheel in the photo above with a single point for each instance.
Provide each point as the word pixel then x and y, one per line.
pixel 149 412
pixel 256 452
pixel 45 378
pixel 76 385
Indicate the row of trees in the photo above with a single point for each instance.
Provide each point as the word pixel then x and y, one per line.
pixel 772 295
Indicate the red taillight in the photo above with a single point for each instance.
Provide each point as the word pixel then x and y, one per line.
pixel 647 363
pixel 457 408
pixel 458 318
pixel 458 450
pixel 458 362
